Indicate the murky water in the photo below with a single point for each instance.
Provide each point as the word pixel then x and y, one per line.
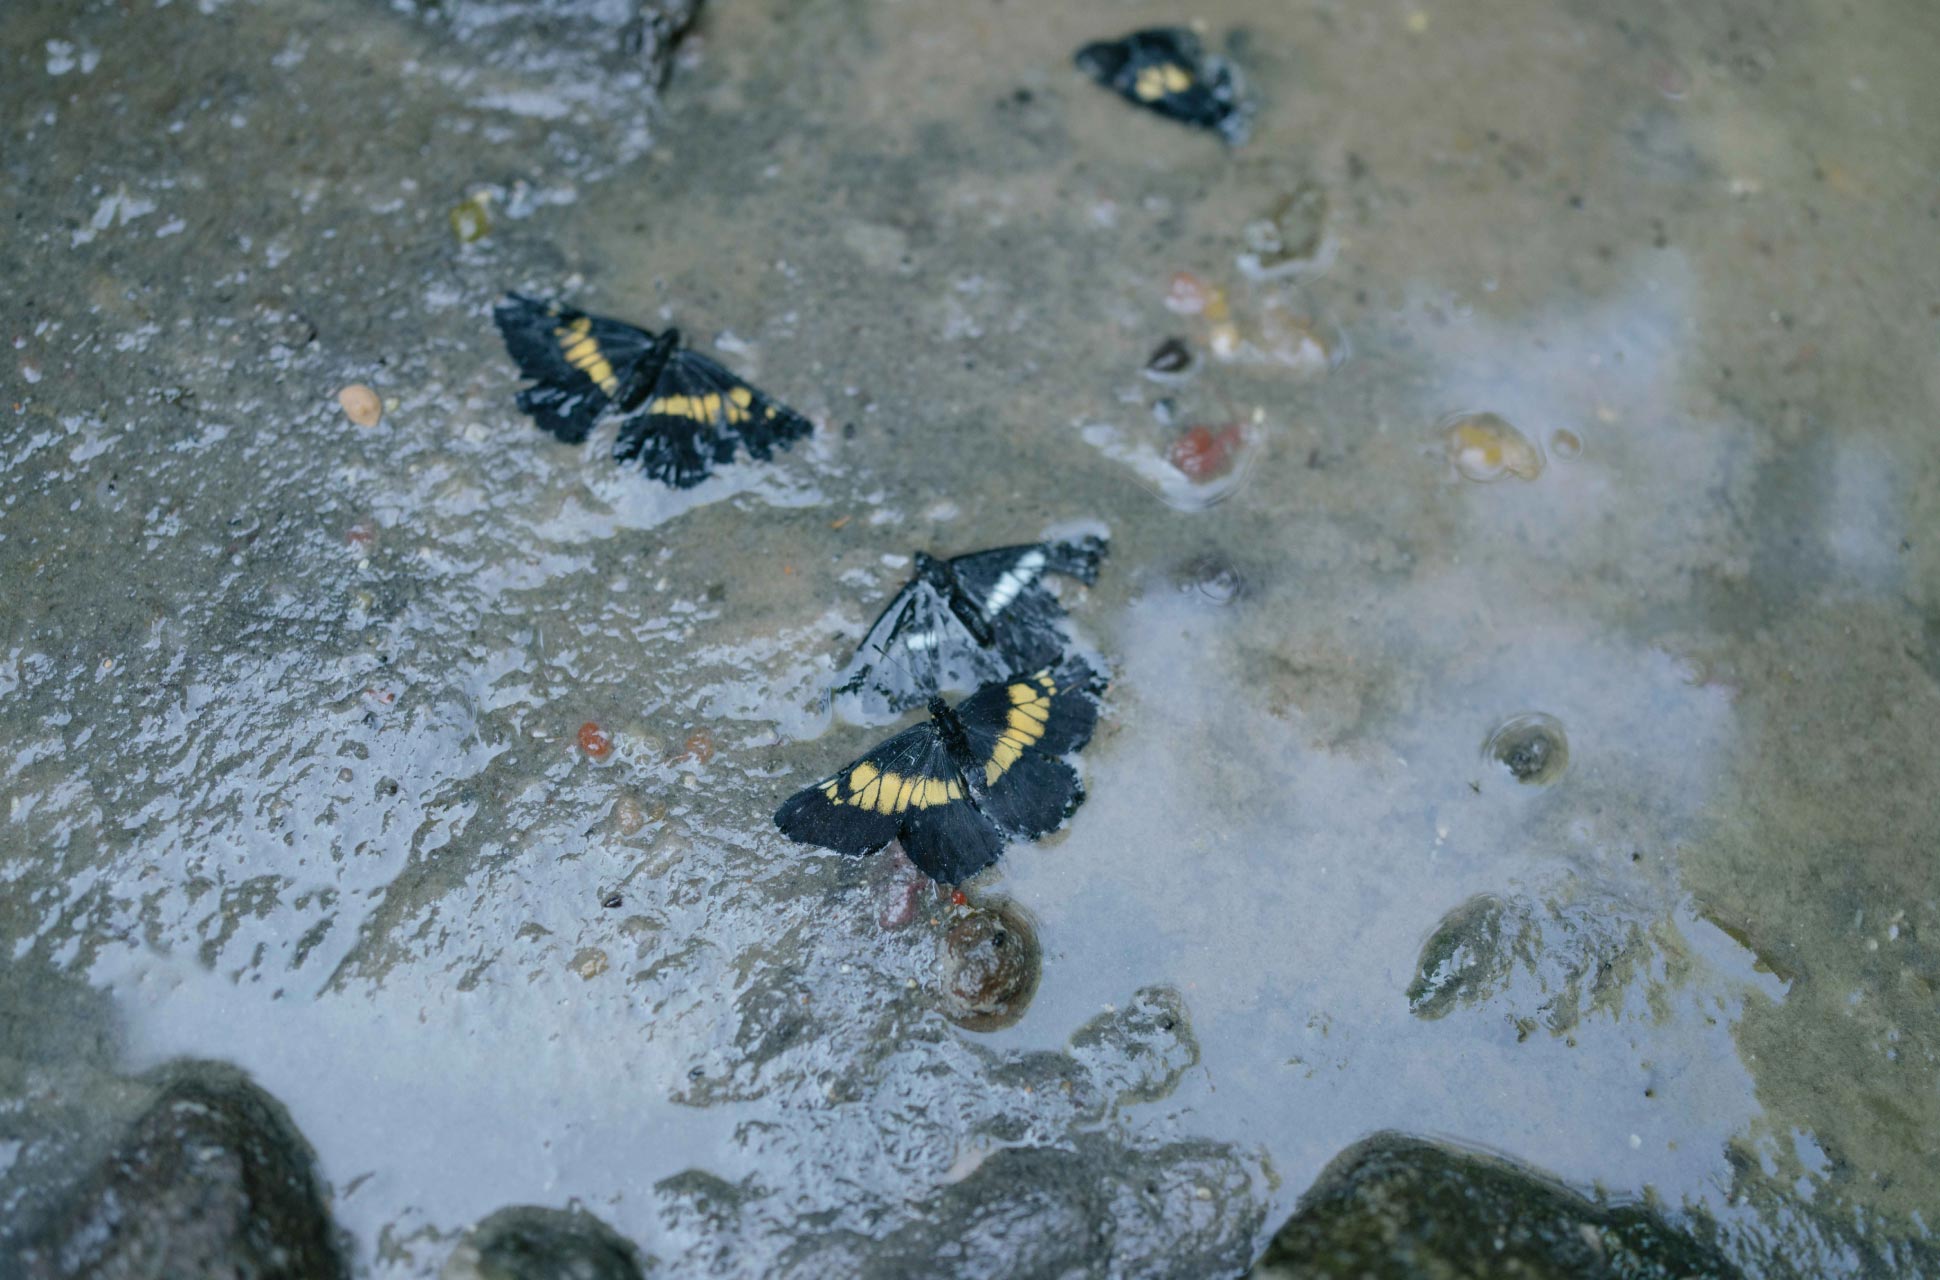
pixel 291 707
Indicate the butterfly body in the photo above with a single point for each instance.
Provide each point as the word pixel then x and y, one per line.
pixel 963 622
pixel 943 580
pixel 680 413
pixel 955 788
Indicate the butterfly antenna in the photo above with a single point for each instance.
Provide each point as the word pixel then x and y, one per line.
pixel 927 685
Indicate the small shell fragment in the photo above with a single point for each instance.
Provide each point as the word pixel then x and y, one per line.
pixel 1485 447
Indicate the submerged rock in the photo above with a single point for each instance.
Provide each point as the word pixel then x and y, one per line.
pixel 1403 1207
pixel 536 34
pixel 988 964
pixel 1093 1208
pixel 1141 1052
pixel 530 1243
pixel 213 1180
pixel 1552 963
pixel 1467 959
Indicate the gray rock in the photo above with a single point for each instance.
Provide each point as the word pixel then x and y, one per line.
pixel 542 34
pixel 212 1181
pixel 1548 963
pixel 530 1243
pixel 1403 1207
pixel 1094 1209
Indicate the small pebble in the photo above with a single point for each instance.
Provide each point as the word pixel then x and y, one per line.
pixel 1172 356
pixel 595 741
pixel 1289 235
pixel 1188 295
pixel 628 816
pixel 699 747
pixel 361 405
pixel 470 219
pixel 1205 453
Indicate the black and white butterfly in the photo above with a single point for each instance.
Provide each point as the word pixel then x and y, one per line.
pixel 1164 69
pixel 963 783
pixel 681 414
pixel 962 622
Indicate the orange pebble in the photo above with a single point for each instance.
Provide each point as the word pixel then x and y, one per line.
pixel 595 741
pixel 361 405
pixel 1203 453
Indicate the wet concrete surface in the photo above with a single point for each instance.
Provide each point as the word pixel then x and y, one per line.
pixel 291 707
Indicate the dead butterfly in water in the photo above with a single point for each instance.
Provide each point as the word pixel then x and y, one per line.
pixel 1163 69
pixel 681 414
pixel 962 622
pixel 959 786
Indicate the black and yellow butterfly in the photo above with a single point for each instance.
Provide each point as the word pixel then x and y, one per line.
pixel 962 622
pixel 1163 69
pixel 960 785
pixel 681 413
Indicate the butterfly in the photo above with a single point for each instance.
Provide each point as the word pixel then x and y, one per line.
pixel 965 621
pixel 960 785
pixel 1163 69
pixel 681 413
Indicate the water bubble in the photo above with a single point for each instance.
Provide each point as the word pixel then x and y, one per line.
pixel 1531 746
pixel 1211 576
pixel 1201 466
pixel 1565 443
pixel 1485 447
pixel 989 963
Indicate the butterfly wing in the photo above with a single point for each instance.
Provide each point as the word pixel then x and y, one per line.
pixel 696 416
pixel 949 843
pixel 1018 728
pixel 1164 70
pixel 1006 588
pixel 915 648
pixel 860 808
pixel 578 363
pixel 907 788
